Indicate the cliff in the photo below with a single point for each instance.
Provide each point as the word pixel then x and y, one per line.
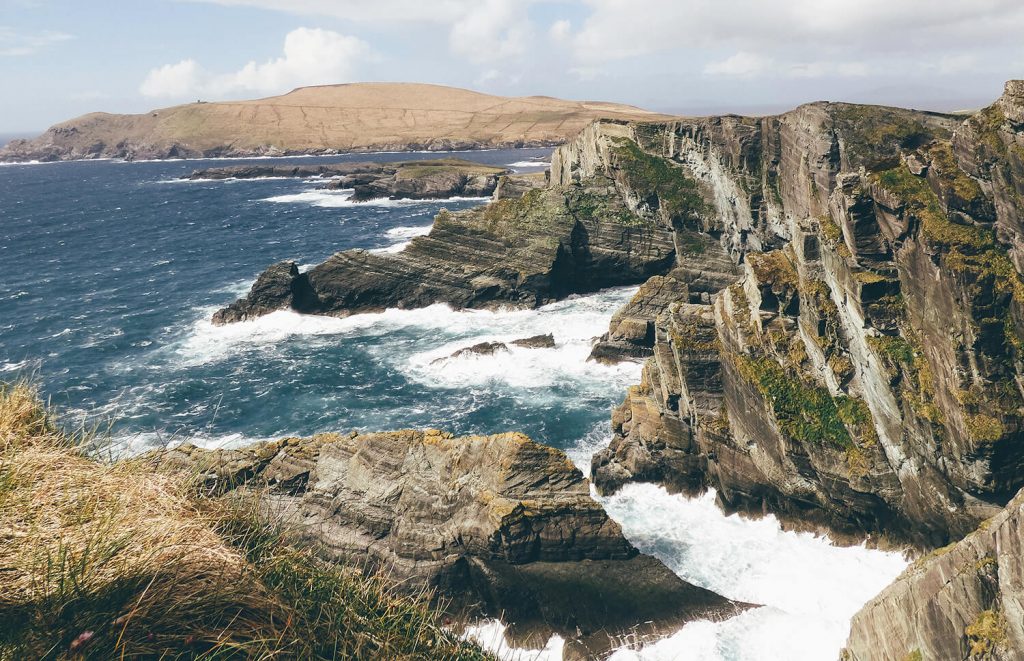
pixel 831 312
pixel 496 525
pixel 357 117
pixel 963 601
pixel 337 546
pixel 110 561
pixel 862 374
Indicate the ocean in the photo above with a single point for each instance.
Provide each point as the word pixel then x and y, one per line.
pixel 111 271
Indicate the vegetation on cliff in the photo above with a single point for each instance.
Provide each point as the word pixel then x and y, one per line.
pixel 111 561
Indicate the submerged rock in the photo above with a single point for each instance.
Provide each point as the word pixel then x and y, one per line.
pixel 500 525
pixel 544 341
pixel 962 601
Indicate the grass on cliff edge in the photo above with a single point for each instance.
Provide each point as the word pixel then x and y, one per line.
pixel 108 561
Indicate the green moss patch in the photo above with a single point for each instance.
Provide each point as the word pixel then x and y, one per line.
pixel 678 195
pixel 807 412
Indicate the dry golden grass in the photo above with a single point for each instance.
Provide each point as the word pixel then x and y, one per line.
pixel 112 561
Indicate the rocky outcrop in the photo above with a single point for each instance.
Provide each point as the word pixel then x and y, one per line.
pixel 862 375
pixel 326 119
pixel 520 252
pixel 498 525
pixel 963 601
pixel 416 180
pixel 834 332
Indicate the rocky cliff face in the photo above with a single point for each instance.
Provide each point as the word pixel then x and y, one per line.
pixel 833 320
pixel 863 371
pixel 963 601
pixel 518 251
pixel 500 525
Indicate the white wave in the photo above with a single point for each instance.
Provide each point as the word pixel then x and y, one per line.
pixel 573 321
pixel 334 199
pixel 490 634
pixel 16 367
pixel 132 444
pixel 393 248
pixel 810 587
pixel 404 233
pixel 529 164
pixel 408 232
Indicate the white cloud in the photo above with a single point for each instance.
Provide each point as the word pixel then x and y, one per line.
pixel 389 11
pixel 14 43
pixel 174 80
pixel 560 31
pixel 741 65
pixel 953 64
pixel 493 30
pixel 310 57
pixel 794 32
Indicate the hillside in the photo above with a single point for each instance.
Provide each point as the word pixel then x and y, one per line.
pixel 355 117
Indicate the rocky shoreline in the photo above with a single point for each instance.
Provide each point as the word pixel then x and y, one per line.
pixel 831 318
pixel 403 180
pixel 498 526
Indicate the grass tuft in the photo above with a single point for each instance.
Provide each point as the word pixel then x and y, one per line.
pixel 109 561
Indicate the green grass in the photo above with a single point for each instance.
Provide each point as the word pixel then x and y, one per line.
pixel 678 195
pixel 805 411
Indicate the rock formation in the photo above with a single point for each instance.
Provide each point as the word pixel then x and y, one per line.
pixel 963 601
pixel 416 180
pixel 499 524
pixel 863 373
pixel 520 252
pixel 834 328
pixel 328 119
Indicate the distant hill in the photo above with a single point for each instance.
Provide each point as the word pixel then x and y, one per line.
pixel 325 119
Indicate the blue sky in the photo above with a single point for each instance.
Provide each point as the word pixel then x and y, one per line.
pixel 62 58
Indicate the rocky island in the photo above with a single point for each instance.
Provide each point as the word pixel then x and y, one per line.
pixel 327 119
pixel 832 318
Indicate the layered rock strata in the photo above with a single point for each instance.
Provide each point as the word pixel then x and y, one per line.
pixel 963 601
pixel 863 374
pixel 834 328
pixel 521 252
pixel 498 525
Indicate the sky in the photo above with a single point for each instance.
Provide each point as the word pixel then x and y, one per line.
pixel 63 58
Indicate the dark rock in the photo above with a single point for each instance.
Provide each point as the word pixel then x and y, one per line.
pixel 499 525
pixel 520 253
pixel 279 286
pixel 418 180
pixel 545 341
pixel 958 602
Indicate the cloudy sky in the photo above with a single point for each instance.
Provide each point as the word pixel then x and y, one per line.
pixel 62 58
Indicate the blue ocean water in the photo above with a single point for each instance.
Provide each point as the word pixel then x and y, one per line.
pixel 111 271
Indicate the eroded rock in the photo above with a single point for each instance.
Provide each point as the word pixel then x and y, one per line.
pixel 498 524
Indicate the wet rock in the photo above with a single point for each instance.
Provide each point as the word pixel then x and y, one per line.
pixel 544 341
pixel 499 525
